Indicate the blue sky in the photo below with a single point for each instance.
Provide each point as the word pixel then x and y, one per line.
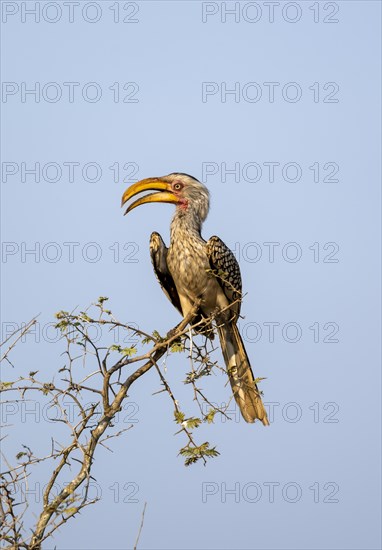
pixel 281 120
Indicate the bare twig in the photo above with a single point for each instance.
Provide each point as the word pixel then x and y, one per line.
pixel 140 527
pixel 23 330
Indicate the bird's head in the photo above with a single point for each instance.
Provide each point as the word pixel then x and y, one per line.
pixel 189 195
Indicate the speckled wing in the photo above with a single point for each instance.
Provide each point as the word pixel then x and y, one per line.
pixel 226 269
pixel 158 253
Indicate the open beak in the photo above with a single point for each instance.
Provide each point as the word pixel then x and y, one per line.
pixel 164 193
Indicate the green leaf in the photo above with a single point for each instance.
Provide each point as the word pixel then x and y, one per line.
pixel 61 314
pixel 47 388
pixel 62 325
pixel 157 337
pixel 211 453
pixel 128 352
pixel 179 417
pixel 125 351
pixel 84 317
pixel 193 454
pixel 114 347
pixel 4 385
pixel 20 455
pixel 210 416
pixel 192 423
pixel 177 346
pixel 71 511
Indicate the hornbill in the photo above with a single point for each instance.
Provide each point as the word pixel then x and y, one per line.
pixel 192 270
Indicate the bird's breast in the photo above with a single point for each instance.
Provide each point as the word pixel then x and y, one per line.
pixel 188 264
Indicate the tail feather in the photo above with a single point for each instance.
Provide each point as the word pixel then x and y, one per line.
pixel 240 374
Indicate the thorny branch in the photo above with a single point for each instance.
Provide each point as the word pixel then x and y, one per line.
pixel 107 384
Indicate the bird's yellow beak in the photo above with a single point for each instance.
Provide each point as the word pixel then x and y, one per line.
pixel 149 184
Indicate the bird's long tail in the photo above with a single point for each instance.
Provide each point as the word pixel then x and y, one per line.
pixel 240 374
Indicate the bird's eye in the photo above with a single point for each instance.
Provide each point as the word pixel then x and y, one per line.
pixel 177 186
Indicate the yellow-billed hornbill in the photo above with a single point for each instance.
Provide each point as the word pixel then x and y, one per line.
pixel 192 270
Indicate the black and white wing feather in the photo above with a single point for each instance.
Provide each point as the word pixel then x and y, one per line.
pixel 226 269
